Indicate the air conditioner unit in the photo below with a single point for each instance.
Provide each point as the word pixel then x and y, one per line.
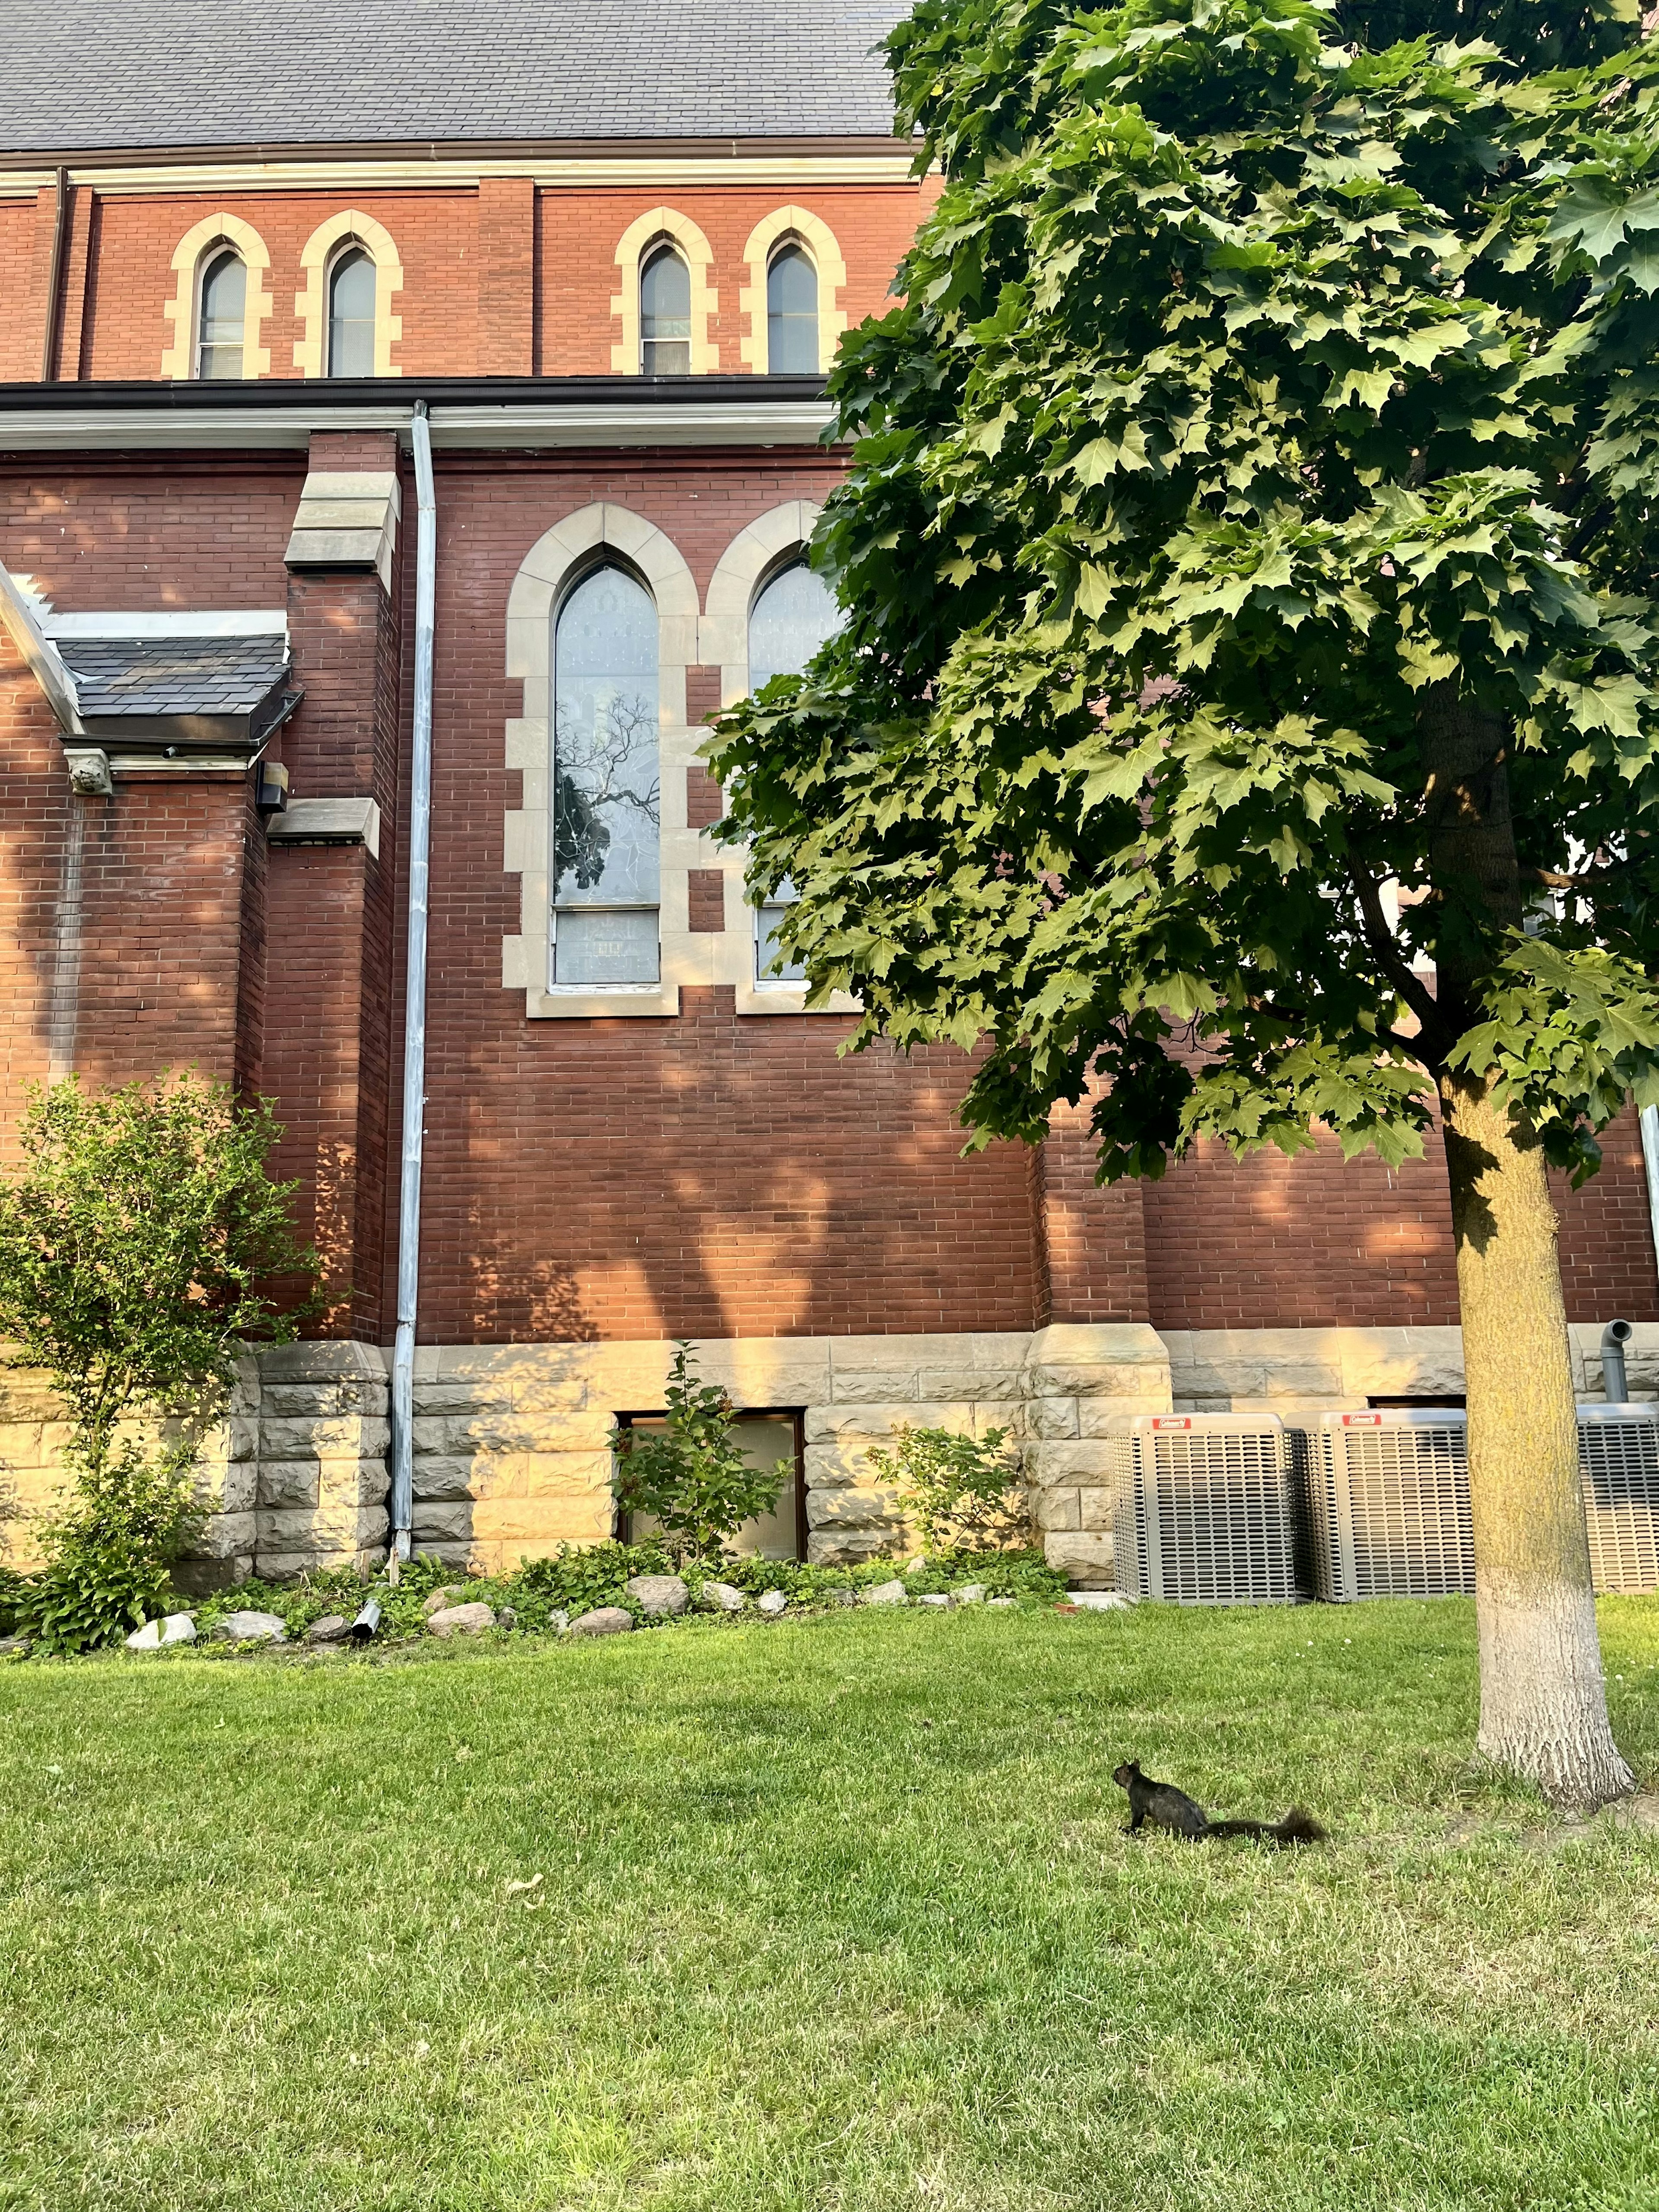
pixel 1390 1502
pixel 1390 1498
pixel 1207 1510
pixel 1619 1454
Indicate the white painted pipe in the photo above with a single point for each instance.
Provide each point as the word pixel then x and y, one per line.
pixel 420 838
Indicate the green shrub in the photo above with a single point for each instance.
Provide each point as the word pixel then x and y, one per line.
pixel 110 1554
pixel 691 1476
pixel 577 1580
pixel 960 1491
pixel 135 1243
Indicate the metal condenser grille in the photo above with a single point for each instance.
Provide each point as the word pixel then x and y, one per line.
pixel 1619 1454
pixel 1391 1506
pixel 1207 1510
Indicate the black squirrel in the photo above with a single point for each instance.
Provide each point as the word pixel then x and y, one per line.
pixel 1166 1807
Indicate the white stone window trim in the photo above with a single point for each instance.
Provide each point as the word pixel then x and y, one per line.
pixel 755 556
pixel 633 250
pixel 317 258
pixel 796 226
pixel 201 245
pixel 557 561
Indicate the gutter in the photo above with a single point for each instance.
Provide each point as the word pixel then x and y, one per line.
pixel 420 838
pixel 525 413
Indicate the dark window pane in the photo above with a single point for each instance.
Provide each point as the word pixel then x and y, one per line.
pixel 791 315
pixel 666 315
pixel 224 306
pixel 351 316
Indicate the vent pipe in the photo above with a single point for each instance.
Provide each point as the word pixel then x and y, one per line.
pixel 420 836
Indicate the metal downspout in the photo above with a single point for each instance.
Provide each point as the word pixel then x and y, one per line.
pixel 49 362
pixel 420 834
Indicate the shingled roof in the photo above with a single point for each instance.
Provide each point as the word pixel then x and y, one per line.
pixel 175 675
pixel 109 74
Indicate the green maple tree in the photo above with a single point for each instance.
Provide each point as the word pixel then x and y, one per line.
pixel 1248 709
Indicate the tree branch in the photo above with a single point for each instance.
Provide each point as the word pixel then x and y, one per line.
pixel 1386 952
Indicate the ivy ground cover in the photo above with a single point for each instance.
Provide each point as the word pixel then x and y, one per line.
pixel 835 1914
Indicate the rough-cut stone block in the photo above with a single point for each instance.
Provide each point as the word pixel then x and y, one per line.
pixel 1056 1509
pixel 850 1509
pixel 352 1482
pixel 441 1478
pixel 1060 1462
pixel 324 1401
pixel 1097 1509
pixel 325 1528
pixel 224 1536
pixel 848 1548
pixel 542 1474
pixel 337 1435
pixel 501 1520
pixel 839 1466
pixel 1053 1417
pixel 852 1386
pixel 323 1360
pixel 979 1385
pixel 1143 1384
pixel 1088 1560
pixel 435 1523
pixel 872 1422
pixel 288 1482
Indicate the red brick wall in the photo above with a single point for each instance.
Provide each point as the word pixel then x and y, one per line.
pixel 498 279
pixel 1268 1243
pixel 202 531
pixel 161 900
pixel 620 1178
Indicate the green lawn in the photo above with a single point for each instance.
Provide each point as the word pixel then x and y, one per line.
pixel 832 1914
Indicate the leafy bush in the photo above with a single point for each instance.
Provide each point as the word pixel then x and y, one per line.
pixel 577 1581
pixel 960 1491
pixel 109 1554
pixel 691 1476
pixel 134 1245
pixel 1023 1574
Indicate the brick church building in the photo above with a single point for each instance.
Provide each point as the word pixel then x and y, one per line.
pixel 296 297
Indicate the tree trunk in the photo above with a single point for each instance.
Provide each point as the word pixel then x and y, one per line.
pixel 1543 1702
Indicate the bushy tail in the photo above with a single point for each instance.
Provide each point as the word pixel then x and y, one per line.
pixel 1298 1826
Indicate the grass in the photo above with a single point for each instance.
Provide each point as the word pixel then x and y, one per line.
pixel 836 1914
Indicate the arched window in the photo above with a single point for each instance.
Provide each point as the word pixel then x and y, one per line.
pixel 351 315
pixel 606 814
pixel 665 314
pixel 792 313
pixel 792 616
pixel 222 317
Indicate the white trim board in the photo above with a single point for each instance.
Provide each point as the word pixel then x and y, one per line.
pixel 259 622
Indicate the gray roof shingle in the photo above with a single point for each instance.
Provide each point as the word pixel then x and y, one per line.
pixel 159 73
pixel 174 675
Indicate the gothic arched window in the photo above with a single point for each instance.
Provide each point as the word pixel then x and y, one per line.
pixel 604 870
pixel 351 315
pixel 792 616
pixel 792 313
pixel 665 314
pixel 220 321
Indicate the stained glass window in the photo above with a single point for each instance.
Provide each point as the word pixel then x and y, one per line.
pixel 606 812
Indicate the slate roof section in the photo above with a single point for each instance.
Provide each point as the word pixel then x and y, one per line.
pixel 130 676
pixel 151 74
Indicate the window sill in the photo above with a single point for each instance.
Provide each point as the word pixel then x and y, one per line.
pixel 580 1002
